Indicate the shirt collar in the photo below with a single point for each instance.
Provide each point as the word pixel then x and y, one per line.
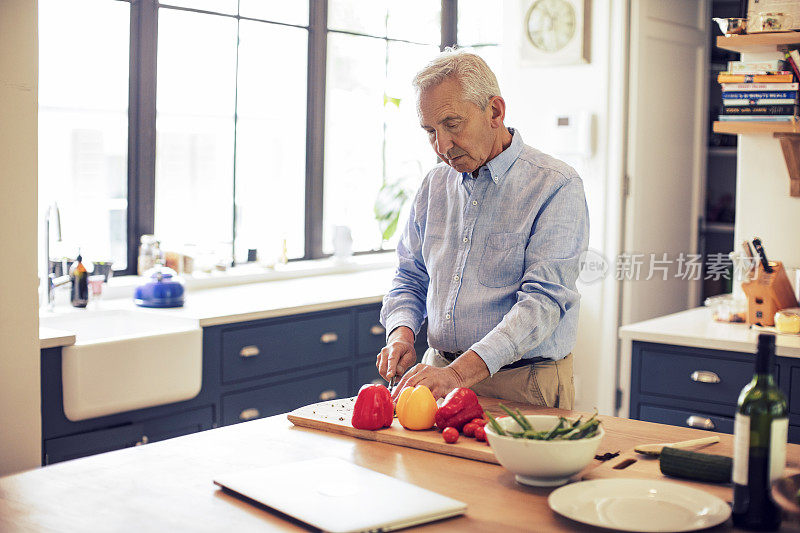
pixel 498 167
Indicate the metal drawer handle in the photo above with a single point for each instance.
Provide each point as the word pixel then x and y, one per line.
pixel 377 330
pixel 144 440
pixel 700 422
pixel 704 376
pixel 249 414
pixel 329 338
pixel 327 395
pixel 249 351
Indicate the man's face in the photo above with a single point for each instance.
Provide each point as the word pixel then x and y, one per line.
pixel 461 134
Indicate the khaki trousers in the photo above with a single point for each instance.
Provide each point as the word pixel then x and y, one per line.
pixel 547 383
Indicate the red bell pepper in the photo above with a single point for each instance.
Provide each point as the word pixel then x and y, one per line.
pixel 373 409
pixel 459 408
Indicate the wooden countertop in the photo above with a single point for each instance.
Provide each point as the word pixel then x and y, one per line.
pixel 167 486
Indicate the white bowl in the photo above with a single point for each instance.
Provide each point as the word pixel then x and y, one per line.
pixel 542 463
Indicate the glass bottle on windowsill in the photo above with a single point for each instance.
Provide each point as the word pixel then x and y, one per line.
pixel 79 277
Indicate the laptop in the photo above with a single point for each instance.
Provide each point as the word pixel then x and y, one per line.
pixel 337 496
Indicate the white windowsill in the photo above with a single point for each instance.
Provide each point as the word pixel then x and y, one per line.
pixel 123 287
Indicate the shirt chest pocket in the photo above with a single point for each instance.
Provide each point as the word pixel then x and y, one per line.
pixel 503 261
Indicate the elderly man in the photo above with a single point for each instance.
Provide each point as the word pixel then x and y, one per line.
pixel 490 253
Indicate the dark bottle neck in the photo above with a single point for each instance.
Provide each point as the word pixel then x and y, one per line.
pixel 765 355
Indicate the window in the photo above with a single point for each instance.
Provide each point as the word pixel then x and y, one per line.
pixel 83 124
pixel 227 125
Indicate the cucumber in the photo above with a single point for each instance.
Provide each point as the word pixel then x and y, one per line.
pixel 693 465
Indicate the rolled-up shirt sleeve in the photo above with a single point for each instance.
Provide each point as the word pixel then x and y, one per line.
pixel 559 236
pixel 404 304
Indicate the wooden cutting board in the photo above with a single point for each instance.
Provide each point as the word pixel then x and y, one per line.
pixel 334 416
pixel 630 464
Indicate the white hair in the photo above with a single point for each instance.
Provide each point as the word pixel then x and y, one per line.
pixel 478 82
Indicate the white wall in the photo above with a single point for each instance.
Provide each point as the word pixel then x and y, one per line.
pixel 533 94
pixel 20 416
pixel 763 205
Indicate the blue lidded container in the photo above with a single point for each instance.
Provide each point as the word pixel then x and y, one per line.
pixel 163 288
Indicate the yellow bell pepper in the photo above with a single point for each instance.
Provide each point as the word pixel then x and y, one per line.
pixel 416 408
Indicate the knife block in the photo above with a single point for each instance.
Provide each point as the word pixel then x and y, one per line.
pixel 768 293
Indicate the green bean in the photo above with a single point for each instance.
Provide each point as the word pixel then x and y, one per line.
pixel 494 423
pixel 518 418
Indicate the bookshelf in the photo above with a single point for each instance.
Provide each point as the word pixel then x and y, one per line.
pixel 788 133
pixel 756 127
pixel 759 42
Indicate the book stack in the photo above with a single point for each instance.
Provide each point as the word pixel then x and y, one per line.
pixel 760 90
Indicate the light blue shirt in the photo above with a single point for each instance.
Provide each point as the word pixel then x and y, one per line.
pixel 492 261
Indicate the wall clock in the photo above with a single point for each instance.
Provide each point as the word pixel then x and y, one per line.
pixel 556 32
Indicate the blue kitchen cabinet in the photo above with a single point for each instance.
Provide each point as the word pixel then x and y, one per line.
pixel 251 370
pixel 699 388
pixel 65 439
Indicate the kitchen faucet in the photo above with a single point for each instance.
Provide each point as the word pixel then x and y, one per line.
pixel 51 280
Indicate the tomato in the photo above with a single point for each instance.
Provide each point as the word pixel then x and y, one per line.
pixel 480 434
pixel 450 435
pixel 478 421
pixel 469 429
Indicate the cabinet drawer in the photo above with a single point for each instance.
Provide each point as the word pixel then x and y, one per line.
pixel 168 427
pixel 254 351
pixel 91 442
pixel 286 396
pixel 686 418
pixel 125 436
pixel 370 334
pixel 693 377
pixel 367 373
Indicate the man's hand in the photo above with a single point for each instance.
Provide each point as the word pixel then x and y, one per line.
pixel 467 370
pixel 398 355
pixel 439 380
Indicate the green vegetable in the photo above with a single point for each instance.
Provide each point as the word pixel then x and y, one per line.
pixel 694 465
pixel 564 430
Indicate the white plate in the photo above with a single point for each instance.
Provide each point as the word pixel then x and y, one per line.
pixel 639 505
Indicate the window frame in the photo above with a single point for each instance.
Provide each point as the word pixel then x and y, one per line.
pixel 142 120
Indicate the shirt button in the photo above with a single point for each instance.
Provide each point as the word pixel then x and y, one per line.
pixel 474 202
pixel 447 316
pixel 466 239
pixel 455 277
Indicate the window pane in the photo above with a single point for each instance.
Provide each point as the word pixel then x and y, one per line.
pixel 294 12
pixel 353 137
pixel 479 22
pixel 359 16
pixel 83 124
pixel 195 128
pixel 415 20
pixel 370 119
pixel 217 6
pixel 271 139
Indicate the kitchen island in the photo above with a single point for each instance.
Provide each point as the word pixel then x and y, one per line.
pixel 167 486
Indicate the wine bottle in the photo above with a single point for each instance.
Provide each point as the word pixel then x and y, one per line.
pixel 759 445
pixel 79 277
pixel 762 255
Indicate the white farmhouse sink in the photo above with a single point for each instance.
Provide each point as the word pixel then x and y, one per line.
pixel 124 360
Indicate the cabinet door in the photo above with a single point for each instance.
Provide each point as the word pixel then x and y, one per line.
pixel 286 396
pixel 257 350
